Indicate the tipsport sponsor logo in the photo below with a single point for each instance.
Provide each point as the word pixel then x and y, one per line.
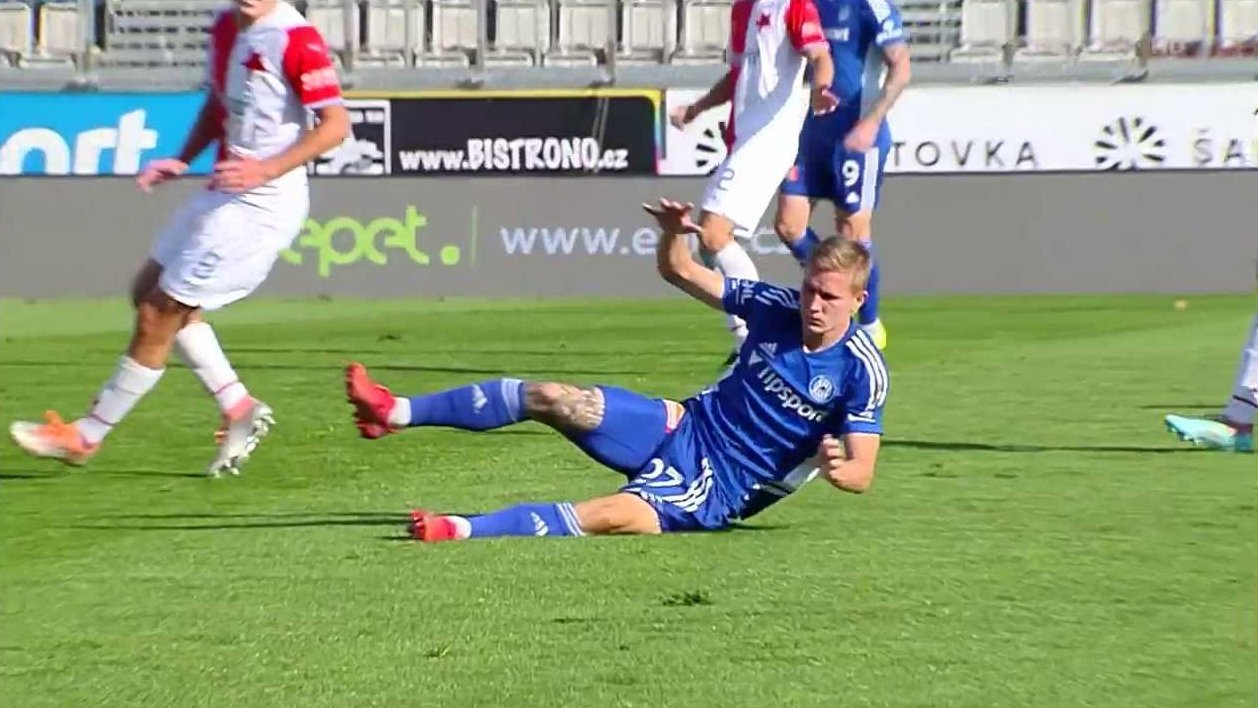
pixel 790 400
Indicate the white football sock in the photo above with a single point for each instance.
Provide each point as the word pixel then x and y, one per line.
pixel 733 262
pixel 400 414
pixel 197 345
pixel 1244 402
pixel 130 382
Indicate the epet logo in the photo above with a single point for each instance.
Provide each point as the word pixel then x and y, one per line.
pixel 93 134
pixel 343 241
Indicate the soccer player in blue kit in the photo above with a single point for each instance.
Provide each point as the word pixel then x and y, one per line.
pixel 805 398
pixel 842 153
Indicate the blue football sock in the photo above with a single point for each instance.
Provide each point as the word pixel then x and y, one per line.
pixel 527 520
pixel 802 248
pixel 869 311
pixel 483 406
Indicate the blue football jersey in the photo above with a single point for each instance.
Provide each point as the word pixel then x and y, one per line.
pixel 857 31
pixel 768 415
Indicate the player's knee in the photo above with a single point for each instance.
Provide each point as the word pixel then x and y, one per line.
pixel 145 280
pixel 544 399
pixel 159 316
pixel 715 232
pixel 858 226
pixel 617 514
pixel 788 228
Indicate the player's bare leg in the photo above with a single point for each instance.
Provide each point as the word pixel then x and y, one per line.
pixel 197 345
pixel 791 226
pixel 616 514
pixel 859 226
pixel 716 236
pixel 486 405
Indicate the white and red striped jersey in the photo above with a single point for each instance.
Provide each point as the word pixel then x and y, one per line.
pixel 265 78
pixel 768 39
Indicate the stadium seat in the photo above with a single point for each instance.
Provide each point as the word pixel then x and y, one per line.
pixel 16 20
pixel 454 33
pixel 1117 26
pixel 329 17
pixel 1238 27
pixel 649 31
pixel 59 35
pixel 933 27
pixel 705 31
pixel 987 26
pixel 147 33
pixel 1054 30
pixel 1183 27
pixel 395 33
pixel 522 34
pixel 584 28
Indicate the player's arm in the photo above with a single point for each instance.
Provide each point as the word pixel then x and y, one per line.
pixel 890 37
pixel 722 92
pixel 849 465
pixel 899 73
pixel 803 25
pixel 330 131
pixel 207 128
pixel 673 259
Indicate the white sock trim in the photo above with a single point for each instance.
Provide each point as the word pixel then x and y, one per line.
pixel 400 414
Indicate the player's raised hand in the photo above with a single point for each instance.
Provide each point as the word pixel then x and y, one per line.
pixel 673 216
pixel 239 174
pixel 862 136
pixel 158 171
pixel 823 101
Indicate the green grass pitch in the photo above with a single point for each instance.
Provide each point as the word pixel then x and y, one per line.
pixel 1033 538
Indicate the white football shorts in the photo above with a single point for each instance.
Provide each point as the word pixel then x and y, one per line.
pixel 219 247
pixel 745 184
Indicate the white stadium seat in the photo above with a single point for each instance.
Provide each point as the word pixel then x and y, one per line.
pixel 523 32
pixel 1117 25
pixel 1183 27
pixel 584 27
pixel 1238 24
pixel 328 16
pixel 650 30
pixel 59 33
pixel 705 31
pixel 454 24
pixel 1054 30
pixel 16 27
pixel 388 40
pixel 986 27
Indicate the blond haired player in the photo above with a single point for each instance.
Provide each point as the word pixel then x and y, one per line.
pixel 267 68
pixel 772 43
pixel 804 400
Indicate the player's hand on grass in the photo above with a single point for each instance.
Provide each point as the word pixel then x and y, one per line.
pixel 823 101
pixel 862 136
pixel 158 171
pixel 673 217
pixel 681 116
pixel 240 174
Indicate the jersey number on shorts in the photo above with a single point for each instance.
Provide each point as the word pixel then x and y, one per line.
pixel 851 172
pixel 205 267
pixel 727 175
